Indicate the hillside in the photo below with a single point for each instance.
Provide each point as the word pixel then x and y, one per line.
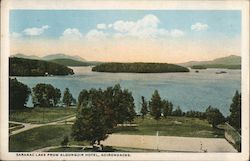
pixel 70 62
pixel 19 55
pixel 62 56
pixel 139 68
pixel 229 60
pixel 49 57
pixel 29 67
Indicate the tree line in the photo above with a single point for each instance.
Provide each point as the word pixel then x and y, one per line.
pixel 28 67
pixel 43 95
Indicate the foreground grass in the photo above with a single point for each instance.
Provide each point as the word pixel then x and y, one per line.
pixel 41 115
pixel 172 126
pixel 39 138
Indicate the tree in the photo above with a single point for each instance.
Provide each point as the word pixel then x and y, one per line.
pixel 89 125
pixel 155 105
pixel 214 116
pixel 144 107
pixel 167 108
pixel 18 94
pixel 45 95
pixel 100 111
pixel 177 112
pixel 235 109
pixel 65 141
pixel 67 97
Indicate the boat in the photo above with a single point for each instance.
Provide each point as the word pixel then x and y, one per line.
pixel 221 72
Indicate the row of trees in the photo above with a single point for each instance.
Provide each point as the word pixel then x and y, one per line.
pixel 99 111
pixel 43 95
pixel 158 107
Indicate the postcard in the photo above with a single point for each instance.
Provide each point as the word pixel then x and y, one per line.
pixel 124 80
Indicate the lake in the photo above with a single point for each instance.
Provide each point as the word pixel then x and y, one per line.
pixel 190 91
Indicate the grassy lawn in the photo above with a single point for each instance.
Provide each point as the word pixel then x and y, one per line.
pixel 39 138
pixel 41 115
pixel 172 126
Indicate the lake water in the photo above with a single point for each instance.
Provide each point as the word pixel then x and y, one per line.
pixel 190 91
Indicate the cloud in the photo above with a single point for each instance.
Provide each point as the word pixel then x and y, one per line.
pixel 144 28
pixel 15 35
pixel 101 26
pixel 96 35
pixel 199 27
pixel 35 31
pixel 71 33
pixel 176 33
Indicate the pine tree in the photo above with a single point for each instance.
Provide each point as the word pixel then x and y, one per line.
pixel 155 105
pixel 165 106
pixel 235 109
pixel 144 107
pixel 67 97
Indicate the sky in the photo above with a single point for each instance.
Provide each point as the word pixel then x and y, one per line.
pixel 170 36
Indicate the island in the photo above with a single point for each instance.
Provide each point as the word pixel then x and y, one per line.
pixel 139 68
pixel 198 67
pixel 29 67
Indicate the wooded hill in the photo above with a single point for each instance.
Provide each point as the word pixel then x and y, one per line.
pixel 29 67
pixel 139 68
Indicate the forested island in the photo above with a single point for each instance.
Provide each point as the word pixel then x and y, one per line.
pixel 29 67
pixel 223 66
pixel 139 68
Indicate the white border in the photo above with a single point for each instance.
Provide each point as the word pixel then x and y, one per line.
pixel 127 4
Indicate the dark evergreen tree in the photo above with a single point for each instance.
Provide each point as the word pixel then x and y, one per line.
pixel 167 108
pixel 18 94
pixel 155 105
pixel 235 109
pixel 144 107
pixel 214 116
pixel 67 97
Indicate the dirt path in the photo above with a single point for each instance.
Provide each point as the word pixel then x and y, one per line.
pixel 53 147
pixel 28 126
pixel 170 143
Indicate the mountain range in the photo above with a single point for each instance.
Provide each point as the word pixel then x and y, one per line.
pixel 60 58
pixel 229 60
pixel 50 57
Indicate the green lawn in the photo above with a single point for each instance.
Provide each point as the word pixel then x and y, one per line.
pixel 172 126
pixel 41 115
pixel 40 137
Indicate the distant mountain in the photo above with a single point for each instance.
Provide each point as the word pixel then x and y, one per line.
pixel 70 62
pixel 19 55
pixel 62 56
pixel 229 60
